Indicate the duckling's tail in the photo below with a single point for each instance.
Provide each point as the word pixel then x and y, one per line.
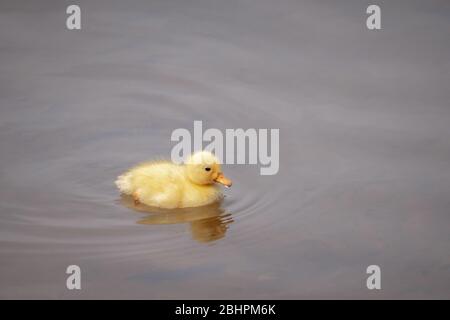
pixel 123 182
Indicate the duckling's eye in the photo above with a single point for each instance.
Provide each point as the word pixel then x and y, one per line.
pixel 208 169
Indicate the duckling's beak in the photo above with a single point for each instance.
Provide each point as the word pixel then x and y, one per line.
pixel 223 180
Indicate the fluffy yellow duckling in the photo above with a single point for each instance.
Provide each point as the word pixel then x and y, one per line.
pixel 167 185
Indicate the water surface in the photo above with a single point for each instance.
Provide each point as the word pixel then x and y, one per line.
pixel 364 148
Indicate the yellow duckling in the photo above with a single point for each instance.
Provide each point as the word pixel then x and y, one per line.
pixel 167 185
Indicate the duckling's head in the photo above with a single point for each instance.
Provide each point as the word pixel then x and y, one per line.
pixel 203 168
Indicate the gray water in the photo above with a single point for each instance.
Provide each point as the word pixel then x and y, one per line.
pixel 364 119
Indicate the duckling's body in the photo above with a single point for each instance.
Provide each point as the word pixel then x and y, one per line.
pixel 168 185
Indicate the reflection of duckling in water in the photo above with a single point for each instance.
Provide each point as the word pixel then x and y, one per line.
pixel 208 223
pixel 210 229
pixel 168 185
